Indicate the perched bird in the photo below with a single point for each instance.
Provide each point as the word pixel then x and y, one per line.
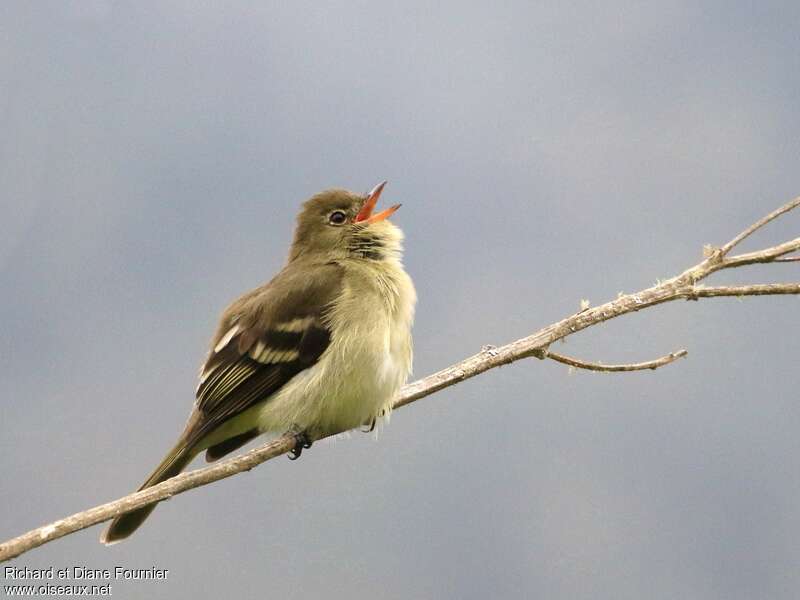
pixel 322 348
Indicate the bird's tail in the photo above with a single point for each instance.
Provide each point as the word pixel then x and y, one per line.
pixel 174 462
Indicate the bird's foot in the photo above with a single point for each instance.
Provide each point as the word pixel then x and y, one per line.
pixel 302 442
pixel 371 426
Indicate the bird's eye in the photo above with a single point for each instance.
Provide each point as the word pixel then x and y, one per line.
pixel 337 217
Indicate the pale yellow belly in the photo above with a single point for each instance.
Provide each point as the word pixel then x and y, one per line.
pixel 353 383
pixel 368 360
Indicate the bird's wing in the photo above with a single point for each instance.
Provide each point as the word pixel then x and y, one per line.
pixel 265 338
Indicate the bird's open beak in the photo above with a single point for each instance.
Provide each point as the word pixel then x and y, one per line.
pixel 365 214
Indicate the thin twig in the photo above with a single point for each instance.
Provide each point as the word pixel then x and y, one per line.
pixel 759 224
pixel 642 366
pixel 683 286
pixel 761 256
pixel 763 289
pixel 787 259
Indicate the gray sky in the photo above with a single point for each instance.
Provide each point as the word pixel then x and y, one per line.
pixel 152 158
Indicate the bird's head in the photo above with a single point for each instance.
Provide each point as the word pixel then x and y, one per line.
pixel 337 224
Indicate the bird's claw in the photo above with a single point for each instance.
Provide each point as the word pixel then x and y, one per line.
pixel 301 443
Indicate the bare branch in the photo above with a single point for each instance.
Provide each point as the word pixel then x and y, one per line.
pixel 787 259
pixel 762 289
pixel 683 286
pixel 761 256
pixel 759 224
pixel 642 366
pixel 162 491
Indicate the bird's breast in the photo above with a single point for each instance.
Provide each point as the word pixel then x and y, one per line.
pixel 368 360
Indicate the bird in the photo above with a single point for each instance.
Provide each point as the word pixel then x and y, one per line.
pixel 322 348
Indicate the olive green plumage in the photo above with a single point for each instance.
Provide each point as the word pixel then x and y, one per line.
pixel 323 347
